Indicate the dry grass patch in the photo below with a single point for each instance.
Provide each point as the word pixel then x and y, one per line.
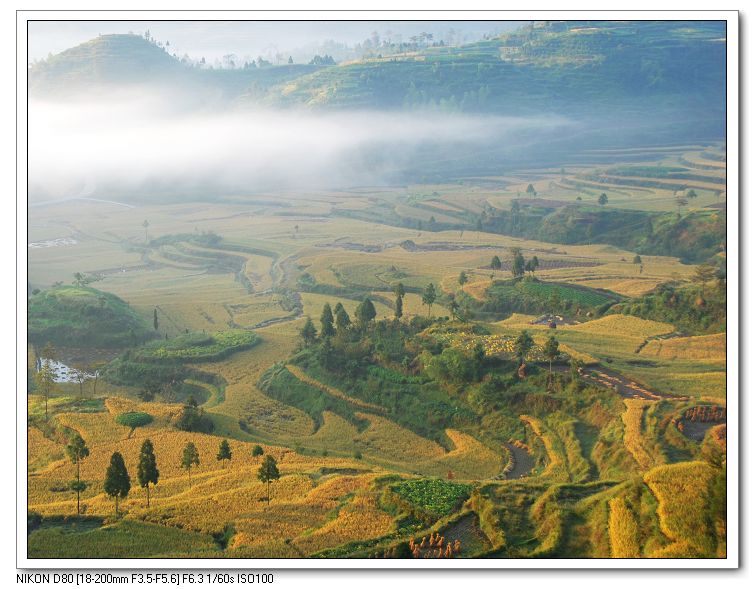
pixel 623 530
pixel 634 436
pixel 683 494
pixel 626 326
pixel 707 348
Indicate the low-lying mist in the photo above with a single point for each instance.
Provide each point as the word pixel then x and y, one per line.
pixel 139 145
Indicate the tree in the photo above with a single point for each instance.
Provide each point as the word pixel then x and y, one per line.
pixel 45 379
pixel 80 376
pixel 495 263
pixel 681 201
pixel 429 296
pixel 326 321
pixel 535 264
pixel 79 279
pixel 154 320
pixel 93 368
pixel 463 279
pixel 365 312
pixel 575 369
pixel 551 352
pixel 257 451
pixel 523 345
pixel 704 273
pixel 515 210
pixel 342 318
pixel 224 451
pixel 189 458
pixel 77 450
pixel 602 199
pixel 400 292
pixel 308 332
pixel 117 482
pixel 146 226
pixel 453 306
pixel 637 259
pixel 691 193
pixel 290 60
pixel 531 191
pixel 148 392
pixel 268 472
pixel 517 265
pixel 147 472
pixel 399 309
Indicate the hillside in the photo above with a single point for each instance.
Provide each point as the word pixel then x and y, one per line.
pixel 84 317
pixel 571 68
pixel 123 60
pixel 574 68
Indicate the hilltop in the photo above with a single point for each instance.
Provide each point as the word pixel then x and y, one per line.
pixel 85 317
pixel 127 59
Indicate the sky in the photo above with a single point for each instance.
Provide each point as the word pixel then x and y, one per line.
pixel 213 39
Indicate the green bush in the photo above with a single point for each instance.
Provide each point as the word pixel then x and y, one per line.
pixel 198 347
pixel 134 419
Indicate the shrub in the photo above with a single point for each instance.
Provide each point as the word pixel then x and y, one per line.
pixel 134 419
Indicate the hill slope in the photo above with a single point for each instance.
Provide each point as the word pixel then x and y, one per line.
pixel 84 317
pixel 573 68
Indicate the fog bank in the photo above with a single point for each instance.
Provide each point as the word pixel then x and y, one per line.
pixel 146 143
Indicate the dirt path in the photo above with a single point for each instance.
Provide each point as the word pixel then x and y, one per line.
pixel 616 381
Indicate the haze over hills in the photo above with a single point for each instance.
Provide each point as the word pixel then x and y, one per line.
pixel 540 95
pixel 472 292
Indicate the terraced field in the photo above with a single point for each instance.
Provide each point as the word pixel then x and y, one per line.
pixel 574 484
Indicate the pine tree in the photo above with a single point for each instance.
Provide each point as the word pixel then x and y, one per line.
pixel 77 450
pixel 342 318
pixel 400 292
pixel 189 458
pixel 117 482
pixel 523 345
pixel 365 312
pixel 429 296
pixel 551 352
pixel 155 322
pixel 463 279
pixel 518 265
pixel 224 451
pixel 308 332
pixel 147 472
pixel 257 451
pixel 268 472
pixel 495 263
pixel 326 321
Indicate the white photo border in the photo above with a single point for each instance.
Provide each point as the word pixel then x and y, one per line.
pixel 733 289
